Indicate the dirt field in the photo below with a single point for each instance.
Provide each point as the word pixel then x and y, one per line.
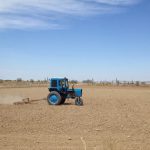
pixel 111 119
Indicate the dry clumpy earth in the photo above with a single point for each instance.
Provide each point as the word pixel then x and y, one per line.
pixel 112 118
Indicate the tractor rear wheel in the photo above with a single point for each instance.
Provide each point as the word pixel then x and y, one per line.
pixel 79 101
pixel 54 98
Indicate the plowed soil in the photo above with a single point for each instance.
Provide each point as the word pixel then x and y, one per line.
pixel 112 118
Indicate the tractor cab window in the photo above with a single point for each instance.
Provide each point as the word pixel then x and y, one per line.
pixel 54 83
pixel 67 84
pixel 62 83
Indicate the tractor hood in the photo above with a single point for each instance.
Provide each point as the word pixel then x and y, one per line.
pixel 76 92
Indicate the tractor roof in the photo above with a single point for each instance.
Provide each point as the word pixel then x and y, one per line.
pixel 58 78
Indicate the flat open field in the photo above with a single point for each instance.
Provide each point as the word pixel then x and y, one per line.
pixel 112 118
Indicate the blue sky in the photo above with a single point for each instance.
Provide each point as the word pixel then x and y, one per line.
pixel 100 39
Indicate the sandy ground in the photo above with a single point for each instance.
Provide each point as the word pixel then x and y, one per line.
pixel 111 119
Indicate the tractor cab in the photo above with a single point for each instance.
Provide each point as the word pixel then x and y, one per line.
pixel 59 84
pixel 59 92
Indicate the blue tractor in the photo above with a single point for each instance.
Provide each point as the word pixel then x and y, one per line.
pixel 59 92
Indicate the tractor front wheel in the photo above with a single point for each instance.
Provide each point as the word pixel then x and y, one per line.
pixel 54 98
pixel 79 101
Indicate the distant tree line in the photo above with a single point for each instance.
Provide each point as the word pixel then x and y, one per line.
pixel 87 81
pixel 73 81
pixel 19 80
pixel 116 82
